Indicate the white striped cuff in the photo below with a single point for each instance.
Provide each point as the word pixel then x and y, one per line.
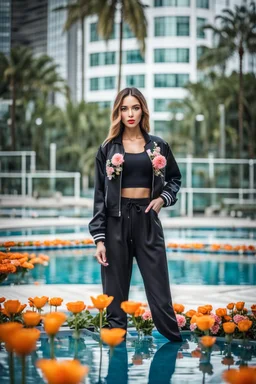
pixel 99 236
pixel 168 197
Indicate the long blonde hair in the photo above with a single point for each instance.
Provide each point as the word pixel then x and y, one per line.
pixel 116 122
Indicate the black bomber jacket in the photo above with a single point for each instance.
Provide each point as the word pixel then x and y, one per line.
pixel 107 193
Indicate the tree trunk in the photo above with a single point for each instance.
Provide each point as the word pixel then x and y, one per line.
pixel 13 108
pixel 120 49
pixel 240 101
pixel 82 59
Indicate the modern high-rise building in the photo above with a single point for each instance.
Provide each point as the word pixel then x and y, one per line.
pixel 5 26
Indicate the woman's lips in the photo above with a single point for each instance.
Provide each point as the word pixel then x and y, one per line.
pixel 131 121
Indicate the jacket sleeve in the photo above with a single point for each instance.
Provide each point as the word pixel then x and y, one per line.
pixel 97 226
pixel 172 178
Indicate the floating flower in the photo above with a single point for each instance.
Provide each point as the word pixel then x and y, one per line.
pixel 62 372
pixel 53 321
pixel 31 319
pixel 113 336
pixel 130 307
pixel 102 301
pixel 76 306
pixel 207 341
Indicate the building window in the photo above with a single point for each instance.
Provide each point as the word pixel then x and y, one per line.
pixel 132 57
pixel 162 105
pixel 171 55
pixel 172 3
pixel 101 104
pixel 135 81
pixel 94 34
pixel 127 33
pixel 200 50
pixel 172 26
pixel 202 4
pixel 102 58
pixel 170 80
pixel 200 22
pixel 102 83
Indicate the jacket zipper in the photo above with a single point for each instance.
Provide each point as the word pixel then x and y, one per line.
pixel 120 186
pixel 106 196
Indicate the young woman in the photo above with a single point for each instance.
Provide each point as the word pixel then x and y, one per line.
pixel 135 176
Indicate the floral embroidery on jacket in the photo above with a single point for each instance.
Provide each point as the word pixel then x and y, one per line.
pixel 158 160
pixel 114 165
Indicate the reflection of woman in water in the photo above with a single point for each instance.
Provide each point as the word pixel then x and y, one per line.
pixel 135 176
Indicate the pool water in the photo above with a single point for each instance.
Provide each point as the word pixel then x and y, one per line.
pixel 170 233
pixel 150 360
pixel 79 266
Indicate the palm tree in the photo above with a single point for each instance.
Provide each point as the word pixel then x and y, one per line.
pixel 77 12
pixel 132 13
pixel 236 34
pixel 13 69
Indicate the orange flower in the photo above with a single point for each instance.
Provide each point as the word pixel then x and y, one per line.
pixel 8 328
pixel 130 307
pixel 240 305
pixel 179 308
pixel 253 308
pixel 113 336
pixel 244 325
pixel 245 375
pixel 61 372
pixel 209 307
pixel 203 309
pixel 196 353
pixel 195 316
pixel 2 299
pixel 227 318
pixel 230 306
pixel 205 322
pixel 31 319
pixel 76 306
pixel 207 341
pixel 228 361
pixel 102 301
pixel 190 313
pixel 39 302
pixel 53 321
pixel 23 341
pixel 13 307
pixel 55 301
pixel 139 311
pixel 27 265
pixel 221 312
pixel 9 244
pixel 229 327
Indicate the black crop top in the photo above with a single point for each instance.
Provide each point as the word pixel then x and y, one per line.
pixel 137 170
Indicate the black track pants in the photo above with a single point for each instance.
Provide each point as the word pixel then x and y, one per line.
pixel 139 234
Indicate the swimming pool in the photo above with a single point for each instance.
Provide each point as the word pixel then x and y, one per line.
pixel 149 361
pixel 79 266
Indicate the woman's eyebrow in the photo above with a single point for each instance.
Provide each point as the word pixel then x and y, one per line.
pixel 133 105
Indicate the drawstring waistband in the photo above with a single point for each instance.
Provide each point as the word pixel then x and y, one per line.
pixel 131 204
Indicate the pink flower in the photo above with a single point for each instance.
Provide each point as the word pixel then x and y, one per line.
pixel 149 152
pixel 238 318
pixel 215 329
pixel 109 170
pixel 146 315
pixel 193 326
pixel 157 149
pixel 181 320
pixel 117 159
pixel 159 162
pixel 217 318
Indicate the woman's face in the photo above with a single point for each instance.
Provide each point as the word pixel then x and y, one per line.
pixel 130 111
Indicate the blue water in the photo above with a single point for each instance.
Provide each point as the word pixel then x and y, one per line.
pixel 149 361
pixel 80 267
pixel 186 233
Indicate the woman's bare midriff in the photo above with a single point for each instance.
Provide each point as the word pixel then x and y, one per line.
pixel 135 193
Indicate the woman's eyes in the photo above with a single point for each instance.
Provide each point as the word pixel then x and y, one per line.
pixel 136 108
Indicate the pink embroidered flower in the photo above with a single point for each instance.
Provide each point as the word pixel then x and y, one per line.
pixel 147 315
pixel 193 326
pixel 117 159
pixel 149 152
pixel 238 318
pixel 159 162
pixel 181 320
pixel 110 170
pixel 215 329
pixel 157 149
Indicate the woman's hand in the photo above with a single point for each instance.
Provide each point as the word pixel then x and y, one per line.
pixel 155 204
pixel 101 254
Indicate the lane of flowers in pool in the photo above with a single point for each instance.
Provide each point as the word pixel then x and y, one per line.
pixel 21 337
